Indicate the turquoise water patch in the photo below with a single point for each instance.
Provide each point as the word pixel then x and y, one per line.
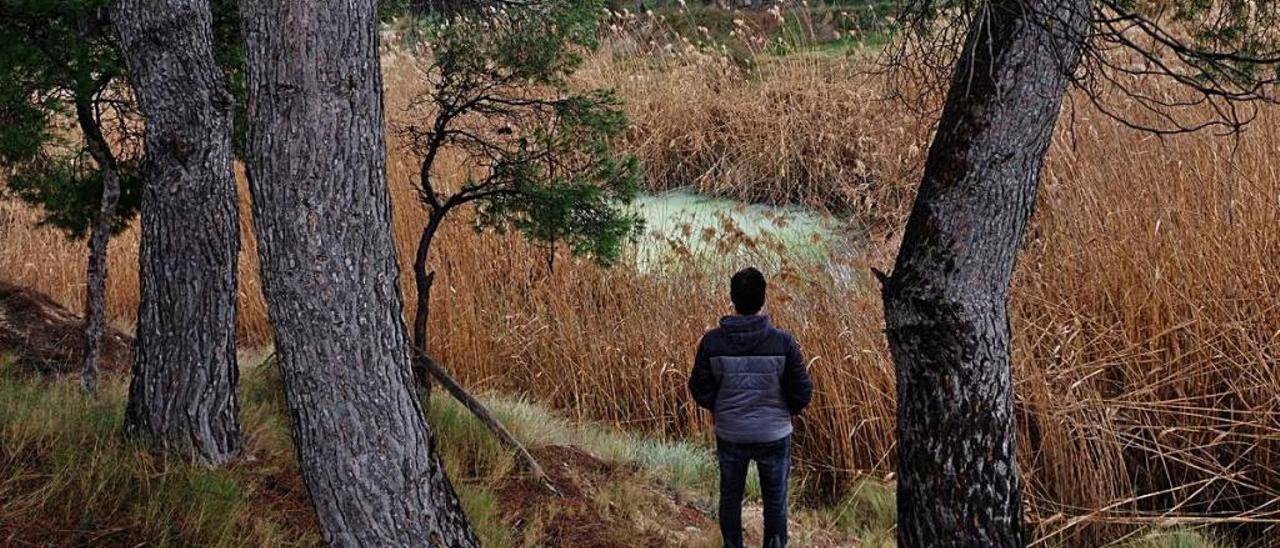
pixel 683 226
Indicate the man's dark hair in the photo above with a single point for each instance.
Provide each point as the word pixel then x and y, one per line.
pixel 746 289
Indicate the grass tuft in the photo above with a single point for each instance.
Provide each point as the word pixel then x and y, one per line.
pixel 69 477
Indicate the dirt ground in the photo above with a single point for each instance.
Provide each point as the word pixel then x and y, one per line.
pixel 590 510
pixel 47 338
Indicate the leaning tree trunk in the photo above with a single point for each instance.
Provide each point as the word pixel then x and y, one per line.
pixel 423 280
pixel 946 302
pixel 317 171
pixel 424 368
pixel 183 394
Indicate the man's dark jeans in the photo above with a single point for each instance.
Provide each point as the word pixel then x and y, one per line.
pixel 773 462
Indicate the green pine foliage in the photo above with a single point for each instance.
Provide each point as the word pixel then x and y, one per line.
pixel 62 72
pixel 543 152
pixel 65 82
pixel 228 53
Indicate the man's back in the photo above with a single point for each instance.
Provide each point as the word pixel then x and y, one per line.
pixel 752 376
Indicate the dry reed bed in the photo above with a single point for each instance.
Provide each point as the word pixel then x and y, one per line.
pixel 794 129
pixel 1144 305
pixel 1147 326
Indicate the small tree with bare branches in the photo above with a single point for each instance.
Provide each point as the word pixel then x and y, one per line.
pixel 538 155
pixel 67 138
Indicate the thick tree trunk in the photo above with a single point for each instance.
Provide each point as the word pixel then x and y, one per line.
pixel 317 171
pixel 183 394
pixel 946 302
pixel 96 277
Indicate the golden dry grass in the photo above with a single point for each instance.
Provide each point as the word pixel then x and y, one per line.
pixel 1144 308
pixel 802 128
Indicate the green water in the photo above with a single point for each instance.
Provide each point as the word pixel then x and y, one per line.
pixel 682 226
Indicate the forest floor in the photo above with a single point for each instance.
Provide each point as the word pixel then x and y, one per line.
pixel 67 476
pixel 44 336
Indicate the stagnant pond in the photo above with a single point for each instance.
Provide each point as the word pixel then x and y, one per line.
pixel 714 231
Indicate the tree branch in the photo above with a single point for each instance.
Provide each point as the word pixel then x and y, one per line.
pixel 482 413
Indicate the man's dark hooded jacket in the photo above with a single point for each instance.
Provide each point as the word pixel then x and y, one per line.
pixel 752 376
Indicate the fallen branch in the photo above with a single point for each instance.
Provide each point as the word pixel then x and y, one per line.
pixel 481 412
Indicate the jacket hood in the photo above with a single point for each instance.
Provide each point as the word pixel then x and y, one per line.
pixel 745 332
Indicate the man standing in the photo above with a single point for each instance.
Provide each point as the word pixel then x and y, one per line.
pixel 752 378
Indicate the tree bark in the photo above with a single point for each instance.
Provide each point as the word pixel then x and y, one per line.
pixel 317 171
pixel 96 276
pixel 946 303
pixel 99 236
pixel 183 394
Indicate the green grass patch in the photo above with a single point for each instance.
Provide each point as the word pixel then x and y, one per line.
pixel 1176 537
pixel 69 477
pixel 867 512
